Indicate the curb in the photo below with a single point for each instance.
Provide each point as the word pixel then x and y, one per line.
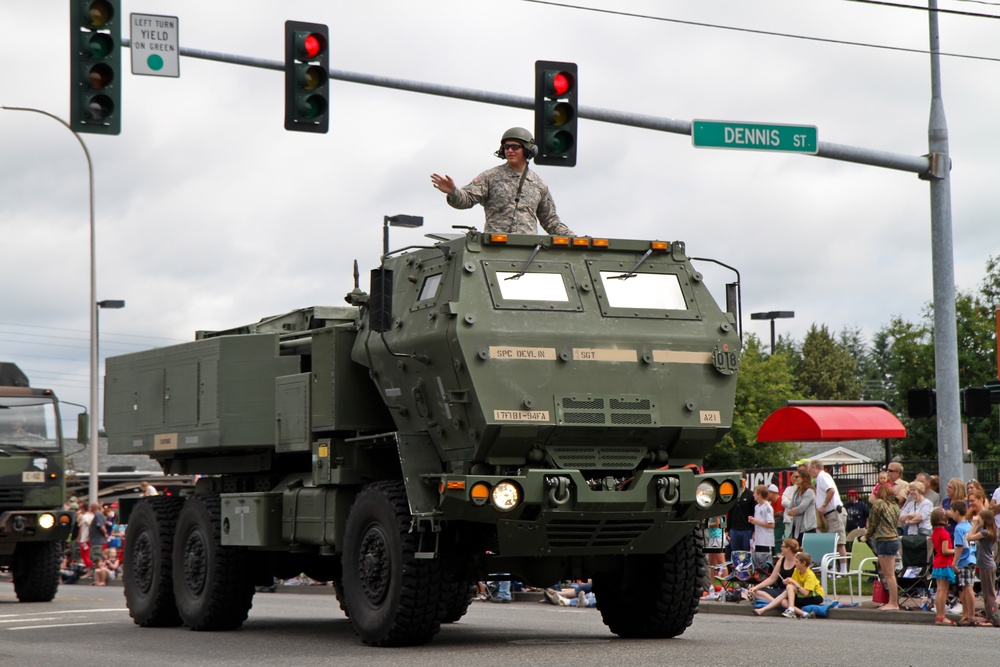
pixel 865 611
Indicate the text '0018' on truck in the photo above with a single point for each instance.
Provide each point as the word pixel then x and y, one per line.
pixel 529 405
pixel 33 524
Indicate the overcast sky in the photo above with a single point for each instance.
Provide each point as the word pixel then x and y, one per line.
pixel 211 215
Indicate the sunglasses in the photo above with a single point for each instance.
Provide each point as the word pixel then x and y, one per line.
pixel 512 147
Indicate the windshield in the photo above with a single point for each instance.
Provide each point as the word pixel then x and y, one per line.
pixel 28 422
pixel 661 291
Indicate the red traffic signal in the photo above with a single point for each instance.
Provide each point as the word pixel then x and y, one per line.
pixel 555 113
pixel 307 77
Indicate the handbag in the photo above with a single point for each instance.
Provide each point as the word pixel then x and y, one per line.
pixel 879 594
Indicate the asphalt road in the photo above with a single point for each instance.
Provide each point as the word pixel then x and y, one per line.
pixel 87 625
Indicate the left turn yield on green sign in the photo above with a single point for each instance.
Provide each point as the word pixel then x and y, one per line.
pixel 155 50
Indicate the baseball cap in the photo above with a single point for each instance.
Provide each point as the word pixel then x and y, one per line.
pixel 772 488
pixel 852 492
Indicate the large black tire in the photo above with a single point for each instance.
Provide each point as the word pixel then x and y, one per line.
pixel 35 568
pixel 213 584
pixel 148 561
pixel 456 596
pixel 653 596
pixel 394 599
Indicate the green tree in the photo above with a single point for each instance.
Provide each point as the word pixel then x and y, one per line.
pixel 764 383
pixel 828 370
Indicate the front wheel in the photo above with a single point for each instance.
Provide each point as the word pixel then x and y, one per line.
pixel 653 596
pixel 35 569
pixel 392 596
pixel 213 584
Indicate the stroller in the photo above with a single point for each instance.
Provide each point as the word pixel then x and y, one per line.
pixel 742 575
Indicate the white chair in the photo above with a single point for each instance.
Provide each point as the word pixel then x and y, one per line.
pixel 860 563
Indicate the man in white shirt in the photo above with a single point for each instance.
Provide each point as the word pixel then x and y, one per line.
pixel 829 505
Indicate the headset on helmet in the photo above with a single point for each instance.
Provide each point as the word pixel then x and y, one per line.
pixel 523 137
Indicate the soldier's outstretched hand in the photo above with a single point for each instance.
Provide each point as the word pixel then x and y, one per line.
pixel 443 183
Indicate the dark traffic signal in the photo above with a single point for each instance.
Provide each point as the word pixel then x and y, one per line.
pixel 974 402
pixel 307 77
pixel 95 66
pixel 555 113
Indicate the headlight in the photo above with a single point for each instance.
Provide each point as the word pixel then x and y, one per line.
pixel 704 495
pixel 46 521
pixel 506 496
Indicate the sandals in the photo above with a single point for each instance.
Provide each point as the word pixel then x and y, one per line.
pixel 941 620
pixel 966 623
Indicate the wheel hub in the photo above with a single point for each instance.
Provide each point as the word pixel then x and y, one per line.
pixel 195 562
pixel 374 565
pixel 141 562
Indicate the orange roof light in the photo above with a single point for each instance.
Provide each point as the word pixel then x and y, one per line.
pixel 600 243
pixel 560 240
pixel 581 242
pixel 498 238
pixel 660 245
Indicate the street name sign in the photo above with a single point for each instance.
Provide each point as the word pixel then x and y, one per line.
pixel 155 50
pixel 754 136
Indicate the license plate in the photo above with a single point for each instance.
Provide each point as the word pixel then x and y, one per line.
pixel 33 476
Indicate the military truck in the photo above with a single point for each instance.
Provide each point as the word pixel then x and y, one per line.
pixel 496 406
pixel 33 524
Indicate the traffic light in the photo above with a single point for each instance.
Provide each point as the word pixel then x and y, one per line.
pixel 555 113
pixel 307 77
pixel 974 402
pixel 95 66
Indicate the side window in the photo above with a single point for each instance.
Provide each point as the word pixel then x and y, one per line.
pixel 535 286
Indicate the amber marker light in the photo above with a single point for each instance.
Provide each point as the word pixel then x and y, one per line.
pixel 560 240
pixel 599 243
pixel 660 245
pixel 726 491
pixel 498 238
pixel 480 493
pixel 456 485
pixel 581 242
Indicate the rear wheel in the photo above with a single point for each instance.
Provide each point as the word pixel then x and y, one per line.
pixel 213 584
pixel 148 561
pixel 393 597
pixel 35 569
pixel 653 596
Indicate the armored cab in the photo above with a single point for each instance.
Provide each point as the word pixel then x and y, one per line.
pixel 531 405
pixel 33 523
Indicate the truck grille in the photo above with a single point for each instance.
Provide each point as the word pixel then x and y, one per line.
pixel 596 458
pixel 605 410
pixel 11 499
pixel 597 533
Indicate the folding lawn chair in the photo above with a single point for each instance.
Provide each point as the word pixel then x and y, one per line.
pixel 861 563
pixel 914 578
pixel 742 574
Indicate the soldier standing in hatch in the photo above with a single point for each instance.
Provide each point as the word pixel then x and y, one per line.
pixel 513 197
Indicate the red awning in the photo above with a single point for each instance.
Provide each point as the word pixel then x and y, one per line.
pixel 829 423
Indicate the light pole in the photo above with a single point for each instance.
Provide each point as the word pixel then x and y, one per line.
pixel 409 221
pixel 92 488
pixel 773 315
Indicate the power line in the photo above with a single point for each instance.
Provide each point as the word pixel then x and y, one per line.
pixel 898 5
pixel 753 31
pixel 87 333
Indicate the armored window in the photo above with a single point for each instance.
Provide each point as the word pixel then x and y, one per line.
pixel 430 287
pixel 658 289
pixel 661 291
pixel 532 286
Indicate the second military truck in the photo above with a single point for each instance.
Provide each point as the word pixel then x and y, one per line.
pixel 534 406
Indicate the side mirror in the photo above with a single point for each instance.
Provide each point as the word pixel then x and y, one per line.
pixel 82 428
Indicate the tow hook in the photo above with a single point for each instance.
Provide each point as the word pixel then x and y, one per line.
pixel 668 490
pixel 558 490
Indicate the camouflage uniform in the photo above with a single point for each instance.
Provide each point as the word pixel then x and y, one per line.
pixel 496 188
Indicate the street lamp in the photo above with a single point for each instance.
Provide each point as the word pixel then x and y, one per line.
pixel 773 315
pixel 408 221
pixel 93 489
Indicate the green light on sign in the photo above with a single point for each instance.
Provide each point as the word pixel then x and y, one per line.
pixel 154 62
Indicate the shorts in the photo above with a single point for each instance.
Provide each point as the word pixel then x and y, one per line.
pixel 803 600
pixel 885 548
pixel 835 524
pixel 966 576
pixel 943 573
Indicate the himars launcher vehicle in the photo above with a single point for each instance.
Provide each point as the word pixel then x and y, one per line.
pixel 528 405
pixel 33 524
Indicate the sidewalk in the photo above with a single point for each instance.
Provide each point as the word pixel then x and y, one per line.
pixel 866 610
